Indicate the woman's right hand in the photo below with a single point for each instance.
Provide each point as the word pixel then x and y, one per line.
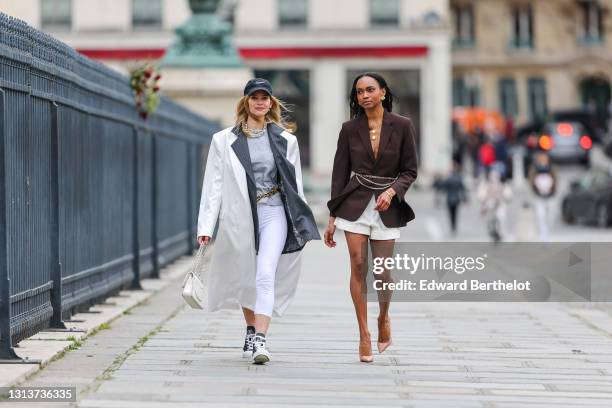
pixel 203 240
pixel 329 233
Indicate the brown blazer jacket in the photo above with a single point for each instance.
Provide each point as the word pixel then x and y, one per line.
pixel 397 156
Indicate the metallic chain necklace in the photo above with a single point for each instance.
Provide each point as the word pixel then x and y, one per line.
pixel 250 132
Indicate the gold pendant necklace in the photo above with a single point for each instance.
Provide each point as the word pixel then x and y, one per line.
pixel 374 130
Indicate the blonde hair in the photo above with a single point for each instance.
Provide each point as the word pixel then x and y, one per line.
pixel 274 115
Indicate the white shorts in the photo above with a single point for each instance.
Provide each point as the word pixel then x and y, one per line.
pixel 369 223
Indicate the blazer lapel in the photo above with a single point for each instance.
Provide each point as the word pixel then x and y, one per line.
pixel 238 170
pixel 364 133
pixel 385 134
pixel 241 149
pixel 277 141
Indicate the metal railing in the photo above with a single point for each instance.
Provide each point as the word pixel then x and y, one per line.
pixel 92 198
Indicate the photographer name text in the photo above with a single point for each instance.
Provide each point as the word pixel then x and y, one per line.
pixel 472 285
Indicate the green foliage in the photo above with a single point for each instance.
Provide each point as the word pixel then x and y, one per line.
pixel 75 343
pixel 144 82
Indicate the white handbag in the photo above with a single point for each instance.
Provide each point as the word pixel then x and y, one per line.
pixel 194 285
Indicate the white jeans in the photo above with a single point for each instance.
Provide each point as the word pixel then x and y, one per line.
pixel 272 236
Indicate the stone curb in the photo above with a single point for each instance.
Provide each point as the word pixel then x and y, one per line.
pixel 48 346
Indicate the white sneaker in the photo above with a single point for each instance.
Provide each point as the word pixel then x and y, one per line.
pixel 247 350
pixel 260 354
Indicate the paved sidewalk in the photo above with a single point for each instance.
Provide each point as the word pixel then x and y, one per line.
pixel 444 354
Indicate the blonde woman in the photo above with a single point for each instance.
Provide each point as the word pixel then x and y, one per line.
pixel 253 188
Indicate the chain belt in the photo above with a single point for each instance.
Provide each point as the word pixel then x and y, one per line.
pixel 375 182
pixel 268 193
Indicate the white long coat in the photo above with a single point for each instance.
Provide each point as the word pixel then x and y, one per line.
pixel 231 276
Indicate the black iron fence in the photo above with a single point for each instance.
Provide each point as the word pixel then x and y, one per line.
pixel 92 198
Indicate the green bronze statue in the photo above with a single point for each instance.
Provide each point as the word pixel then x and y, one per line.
pixel 203 6
pixel 205 40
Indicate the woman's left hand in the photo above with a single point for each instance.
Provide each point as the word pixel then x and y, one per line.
pixel 384 200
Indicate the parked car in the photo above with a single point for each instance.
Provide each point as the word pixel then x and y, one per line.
pixel 566 142
pixel 589 199
pixel 587 119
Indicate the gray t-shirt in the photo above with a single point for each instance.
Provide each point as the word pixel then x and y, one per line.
pixel 264 167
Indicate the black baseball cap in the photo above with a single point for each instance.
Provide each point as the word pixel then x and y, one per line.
pixel 257 84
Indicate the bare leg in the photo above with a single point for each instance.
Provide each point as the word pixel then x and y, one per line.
pixel 262 322
pixel 383 249
pixel 249 316
pixel 357 246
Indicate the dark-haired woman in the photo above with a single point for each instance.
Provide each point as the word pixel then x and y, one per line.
pixel 374 165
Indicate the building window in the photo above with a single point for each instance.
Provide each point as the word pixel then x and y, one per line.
pixel 56 14
pixel 146 14
pixel 463 25
pixel 384 13
pixel 432 19
pixel 591 22
pixel 293 13
pixel 522 27
pixel 507 97
pixel 465 94
pixel 538 107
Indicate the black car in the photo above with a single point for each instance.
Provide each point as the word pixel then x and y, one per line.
pixel 589 199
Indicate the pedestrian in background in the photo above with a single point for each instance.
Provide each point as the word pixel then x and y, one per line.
pixel 475 140
pixel 486 157
pixel 543 181
pixel 494 195
pixel 374 165
pixel 455 194
pixel 502 156
pixel 253 187
pixel 438 189
pixel 459 143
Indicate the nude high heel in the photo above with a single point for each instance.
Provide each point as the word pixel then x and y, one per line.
pixel 384 334
pixel 365 350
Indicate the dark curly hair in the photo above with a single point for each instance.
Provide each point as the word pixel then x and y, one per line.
pixel 357 110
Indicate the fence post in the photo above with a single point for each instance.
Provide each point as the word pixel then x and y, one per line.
pixel 154 217
pixel 6 344
pixel 135 214
pixel 190 237
pixel 56 266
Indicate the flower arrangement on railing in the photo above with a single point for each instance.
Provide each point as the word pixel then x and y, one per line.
pixel 143 81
